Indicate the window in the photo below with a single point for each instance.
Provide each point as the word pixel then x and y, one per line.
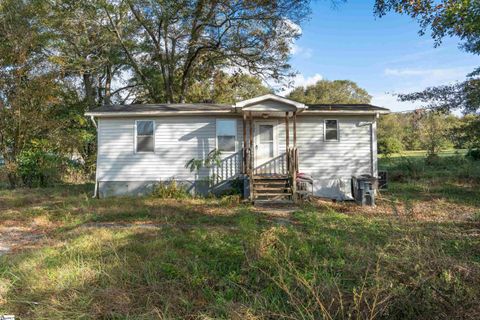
pixel 331 130
pixel 145 136
pixel 226 135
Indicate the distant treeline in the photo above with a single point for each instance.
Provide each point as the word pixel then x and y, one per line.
pixel 427 130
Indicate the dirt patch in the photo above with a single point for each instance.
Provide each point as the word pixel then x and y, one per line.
pixel 13 238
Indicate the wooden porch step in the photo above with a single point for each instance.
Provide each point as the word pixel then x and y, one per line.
pixel 273 189
pixel 274 194
pixel 269 184
pixel 270 177
pixel 274 202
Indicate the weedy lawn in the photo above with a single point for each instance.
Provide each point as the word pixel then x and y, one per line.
pixel 150 258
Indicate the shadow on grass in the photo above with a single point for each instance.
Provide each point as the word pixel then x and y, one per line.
pixel 256 269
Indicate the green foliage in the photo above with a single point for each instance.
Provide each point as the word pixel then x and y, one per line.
pixel 213 158
pixel 224 88
pixel 466 132
pixel 170 190
pixel 182 47
pixel 444 18
pixel 431 131
pixel 474 154
pixel 38 168
pixel 406 168
pixel 325 92
pixel 389 145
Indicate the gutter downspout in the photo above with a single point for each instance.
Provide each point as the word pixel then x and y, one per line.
pixel 95 192
pixel 372 151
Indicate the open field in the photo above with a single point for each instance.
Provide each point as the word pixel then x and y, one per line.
pixel 416 255
pixel 423 153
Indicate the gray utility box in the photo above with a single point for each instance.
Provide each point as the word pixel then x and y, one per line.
pixel 363 189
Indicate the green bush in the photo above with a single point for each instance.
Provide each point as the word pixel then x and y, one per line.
pixel 170 190
pixel 38 168
pixel 474 154
pixel 389 145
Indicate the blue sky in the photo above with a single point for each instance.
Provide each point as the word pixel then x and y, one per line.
pixel 383 55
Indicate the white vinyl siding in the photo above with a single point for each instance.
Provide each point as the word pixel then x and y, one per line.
pixel 177 140
pixel 331 164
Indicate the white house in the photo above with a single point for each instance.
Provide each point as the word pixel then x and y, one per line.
pixel 268 137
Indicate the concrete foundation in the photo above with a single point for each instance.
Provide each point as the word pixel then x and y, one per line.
pixel 141 188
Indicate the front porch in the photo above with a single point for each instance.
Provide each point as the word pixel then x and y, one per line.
pixel 271 174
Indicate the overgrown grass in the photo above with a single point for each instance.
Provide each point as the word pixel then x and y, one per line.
pixel 454 178
pixel 210 258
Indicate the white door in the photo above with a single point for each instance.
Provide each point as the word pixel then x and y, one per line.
pixel 265 142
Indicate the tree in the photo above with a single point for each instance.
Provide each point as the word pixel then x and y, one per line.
pixel 176 43
pixel 390 134
pixel 444 18
pixel 466 132
pixel 224 88
pixel 29 93
pixel 434 133
pixel 325 91
pixel 86 51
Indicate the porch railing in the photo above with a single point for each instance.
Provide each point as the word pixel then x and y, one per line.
pixel 228 168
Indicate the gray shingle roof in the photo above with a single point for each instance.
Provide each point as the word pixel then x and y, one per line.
pixel 212 107
pixel 163 107
pixel 344 107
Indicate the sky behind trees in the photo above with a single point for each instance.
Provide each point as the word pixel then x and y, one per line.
pixel 383 55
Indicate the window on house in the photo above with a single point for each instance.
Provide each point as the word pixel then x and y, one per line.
pixel 226 135
pixel 145 138
pixel 331 130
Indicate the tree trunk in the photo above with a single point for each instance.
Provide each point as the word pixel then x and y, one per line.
pixel 89 92
pixel 108 84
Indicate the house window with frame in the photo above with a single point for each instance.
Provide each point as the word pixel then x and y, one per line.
pixel 145 136
pixel 226 135
pixel 331 130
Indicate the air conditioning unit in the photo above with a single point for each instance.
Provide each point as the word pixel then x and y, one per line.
pixel 363 189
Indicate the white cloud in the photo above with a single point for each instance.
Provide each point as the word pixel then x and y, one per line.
pixel 430 76
pixel 300 51
pixel 300 81
pixel 388 100
pixel 416 79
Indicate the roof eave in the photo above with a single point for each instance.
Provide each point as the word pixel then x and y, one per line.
pixel 155 113
pixel 346 112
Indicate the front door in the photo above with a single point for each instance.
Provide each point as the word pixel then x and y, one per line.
pixel 265 142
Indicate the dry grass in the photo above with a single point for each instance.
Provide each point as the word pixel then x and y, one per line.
pixel 415 255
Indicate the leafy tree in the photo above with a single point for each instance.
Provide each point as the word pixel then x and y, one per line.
pixel 175 43
pixel 325 91
pixel 433 133
pixel 86 51
pixel 444 18
pixel 466 132
pixel 224 88
pixel 390 134
pixel 41 109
